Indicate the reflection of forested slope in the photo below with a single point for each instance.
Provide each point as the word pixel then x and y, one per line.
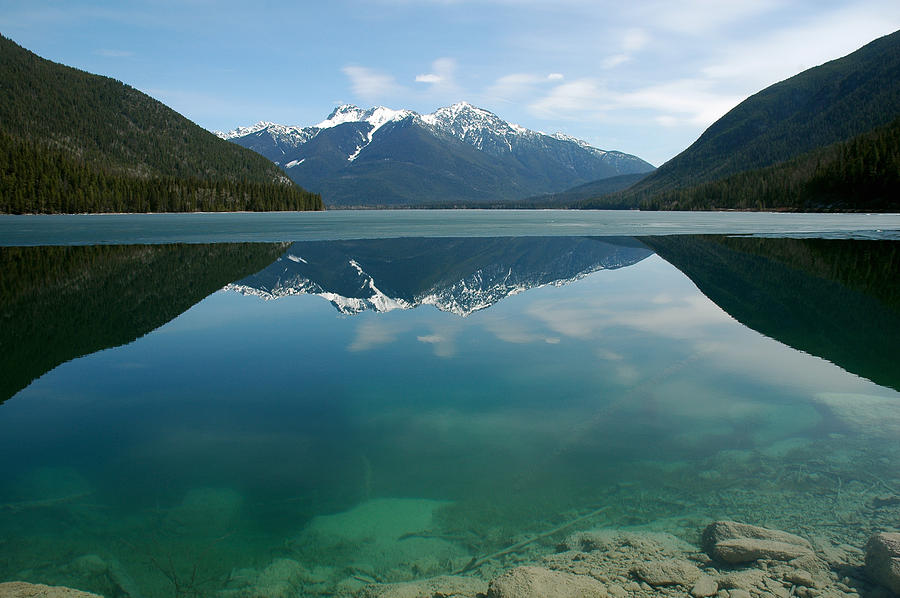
pixel 58 303
pixel 837 299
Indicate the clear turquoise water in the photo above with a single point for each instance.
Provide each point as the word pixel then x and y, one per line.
pixel 402 444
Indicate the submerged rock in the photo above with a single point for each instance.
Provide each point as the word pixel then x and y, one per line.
pixel 726 530
pixel 733 543
pixel 538 582
pixel 445 586
pixel 799 577
pixel 21 589
pixel 745 550
pixel 706 586
pixel 883 559
pixel 669 572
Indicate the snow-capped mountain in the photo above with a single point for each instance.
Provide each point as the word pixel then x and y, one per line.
pixel 382 156
pixel 459 276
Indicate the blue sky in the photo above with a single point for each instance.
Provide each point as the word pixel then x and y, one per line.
pixel 645 77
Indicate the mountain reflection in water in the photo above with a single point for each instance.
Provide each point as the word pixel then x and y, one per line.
pixel 460 276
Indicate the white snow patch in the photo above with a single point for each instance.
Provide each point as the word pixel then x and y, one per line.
pixel 377 117
pixel 296 258
pixel 293 163
pixel 241 131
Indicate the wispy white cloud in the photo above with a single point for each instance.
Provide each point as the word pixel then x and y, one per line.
pixel 575 99
pixel 615 60
pixel 443 72
pixel 689 101
pixel 441 80
pixel 513 87
pixel 633 41
pixel 697 17
pixel 429 78
pixel 371 85
pixel 782 53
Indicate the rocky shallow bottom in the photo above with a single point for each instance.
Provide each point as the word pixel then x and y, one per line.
pixel 734 560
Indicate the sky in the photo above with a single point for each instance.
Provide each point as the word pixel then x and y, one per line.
pixel 646 77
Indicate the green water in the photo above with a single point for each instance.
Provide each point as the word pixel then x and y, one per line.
pixel 264 443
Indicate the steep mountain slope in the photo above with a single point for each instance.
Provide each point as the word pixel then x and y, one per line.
pixel 860 174
pixel 824 105
pixel 456 154
pixel 73 141
pixel 460 276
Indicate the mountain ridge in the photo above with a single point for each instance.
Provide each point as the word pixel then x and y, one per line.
pixel 362 157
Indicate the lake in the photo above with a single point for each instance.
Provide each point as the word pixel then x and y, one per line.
pixel 272 405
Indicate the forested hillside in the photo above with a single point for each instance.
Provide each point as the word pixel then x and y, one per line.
pixel 823 139
pixel 71 141
pixel 861 174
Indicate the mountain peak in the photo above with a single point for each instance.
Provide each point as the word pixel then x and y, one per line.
pixel 377 116
pixel 461 110
pixel 241 131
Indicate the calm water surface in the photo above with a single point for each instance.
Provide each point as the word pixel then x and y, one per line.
pixel 389 409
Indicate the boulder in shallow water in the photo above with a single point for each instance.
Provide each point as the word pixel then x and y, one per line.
pixel 747 550
pixel 883 559
pixel 705 587
pixel 727 530
pixel 668 572
pixel 538 582
pixel 20 589
pixel 731 542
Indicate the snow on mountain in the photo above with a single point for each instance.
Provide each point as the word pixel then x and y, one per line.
pixel 282 135
pixel 376 117
pixel 473 125
pixel 563 137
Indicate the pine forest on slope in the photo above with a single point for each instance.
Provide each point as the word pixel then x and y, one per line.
pixel 71 141
pixel 826 139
